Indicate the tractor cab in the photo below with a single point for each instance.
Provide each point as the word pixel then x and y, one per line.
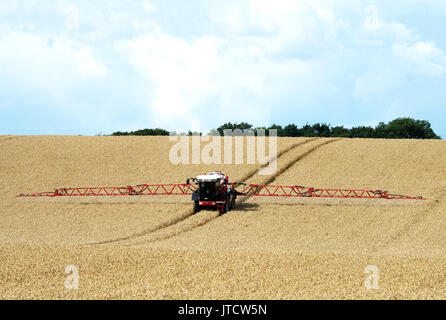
pixel 211 185
pixel 207 190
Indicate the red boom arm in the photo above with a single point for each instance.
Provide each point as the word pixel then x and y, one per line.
pixel 252 190
pixel 249 190
pixel 138 190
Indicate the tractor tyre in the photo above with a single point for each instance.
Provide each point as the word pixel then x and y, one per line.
pixel 226 207
pixel 196 207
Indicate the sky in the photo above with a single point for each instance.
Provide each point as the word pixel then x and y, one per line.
pixel 98 66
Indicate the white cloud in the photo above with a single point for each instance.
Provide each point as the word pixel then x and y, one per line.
pixel 217 78
pixel 148 5
pixel 425 56
pixel 182 71
pixel 45 61
pixel 268 51
pixel 281 25
pixel 382 29
pixel 72 18
pixel 10 6
pixel 400 55
pixel 372 21
pixel 378 80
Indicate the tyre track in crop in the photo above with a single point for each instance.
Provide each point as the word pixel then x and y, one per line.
pixel 184 218
pixel 204 217
pixel 191 223
pixel 251 174
pixel 413 221
pixel 291 163
pixel 297 159
pixel 160 226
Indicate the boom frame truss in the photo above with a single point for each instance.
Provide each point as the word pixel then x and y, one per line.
pixel 248 190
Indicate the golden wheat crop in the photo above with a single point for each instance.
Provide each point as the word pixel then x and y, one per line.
pixel 154 248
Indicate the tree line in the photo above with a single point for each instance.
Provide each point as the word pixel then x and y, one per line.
pixel 400 128
pixel 143 132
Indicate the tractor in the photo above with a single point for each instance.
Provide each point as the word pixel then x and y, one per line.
pixel 213 191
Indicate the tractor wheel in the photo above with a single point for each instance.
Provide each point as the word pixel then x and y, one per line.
pixel 233 203
pixel 226 206
pixel 196 207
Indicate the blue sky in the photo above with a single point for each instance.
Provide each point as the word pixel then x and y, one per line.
pixel 89 67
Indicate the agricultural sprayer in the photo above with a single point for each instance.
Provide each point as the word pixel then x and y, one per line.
pixel 214 190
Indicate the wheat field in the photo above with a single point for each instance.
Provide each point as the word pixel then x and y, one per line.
pixel 155 248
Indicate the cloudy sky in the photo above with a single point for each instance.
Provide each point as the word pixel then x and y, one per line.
pixel 98 66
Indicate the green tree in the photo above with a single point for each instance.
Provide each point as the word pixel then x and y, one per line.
pixel 143 132
pixel 400 128
pixel 292 130
pixel 408 128
pixel 307 131
pixel 340 131
pixel 280 130
pixel 233 126
pixel 362 132
pixel 321 130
